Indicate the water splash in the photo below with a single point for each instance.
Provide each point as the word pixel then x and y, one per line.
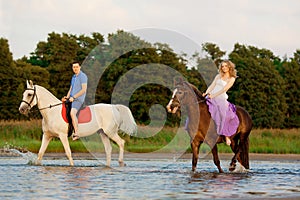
pixel 27 155
pixel 239 168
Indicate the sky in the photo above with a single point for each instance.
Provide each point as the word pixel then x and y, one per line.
pixel 270 24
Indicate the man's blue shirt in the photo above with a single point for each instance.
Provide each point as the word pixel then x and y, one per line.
pixel 76 83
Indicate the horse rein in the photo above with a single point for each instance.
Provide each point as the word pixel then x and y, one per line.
pixel 34 95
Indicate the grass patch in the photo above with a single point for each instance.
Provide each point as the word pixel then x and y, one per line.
pixel 278 141
pixel 27 135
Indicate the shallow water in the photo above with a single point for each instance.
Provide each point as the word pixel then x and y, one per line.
pixel 145 179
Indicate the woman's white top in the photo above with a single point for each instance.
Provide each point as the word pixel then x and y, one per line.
pixel 220 84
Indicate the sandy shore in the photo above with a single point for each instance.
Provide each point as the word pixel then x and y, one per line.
pixel 222 156
pixel 146 156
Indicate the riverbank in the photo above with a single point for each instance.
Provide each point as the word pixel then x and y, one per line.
pixel 145 156
pixel 159 156
pixel 26 135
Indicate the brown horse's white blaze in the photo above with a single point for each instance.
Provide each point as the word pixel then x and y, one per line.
pixel 172 107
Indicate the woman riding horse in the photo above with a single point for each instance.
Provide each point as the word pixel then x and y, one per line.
pixel 199 126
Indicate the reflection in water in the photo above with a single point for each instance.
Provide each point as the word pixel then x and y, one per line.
pixel 217 185
pixel 78 182
pixel 148 179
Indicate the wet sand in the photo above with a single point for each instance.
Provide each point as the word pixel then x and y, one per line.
pixel 142 156
pixel 222 156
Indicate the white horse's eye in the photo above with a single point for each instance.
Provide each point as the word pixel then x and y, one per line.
pixel 29 95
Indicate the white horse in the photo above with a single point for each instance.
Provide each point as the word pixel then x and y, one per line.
pixel 106 120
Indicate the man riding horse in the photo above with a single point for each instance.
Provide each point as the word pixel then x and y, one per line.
pixel 76 95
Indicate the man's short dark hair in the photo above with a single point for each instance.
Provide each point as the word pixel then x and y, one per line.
pixel 75 62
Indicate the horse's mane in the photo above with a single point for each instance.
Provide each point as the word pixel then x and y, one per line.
pixel 196 91
pixel 53 98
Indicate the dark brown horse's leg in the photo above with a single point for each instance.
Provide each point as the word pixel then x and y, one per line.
pixel 241 153
pixel 216 158
pixel 243 156
pixel 234 159
pixel 195 149
pixel 234 146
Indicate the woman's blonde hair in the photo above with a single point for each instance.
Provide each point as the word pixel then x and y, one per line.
pixel 231 66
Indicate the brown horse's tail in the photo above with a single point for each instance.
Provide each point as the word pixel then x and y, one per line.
pixel 244 153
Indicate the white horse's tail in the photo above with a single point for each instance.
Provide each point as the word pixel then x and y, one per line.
pixel 128 124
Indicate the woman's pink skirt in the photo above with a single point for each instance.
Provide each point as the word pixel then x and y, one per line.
pixel 224 115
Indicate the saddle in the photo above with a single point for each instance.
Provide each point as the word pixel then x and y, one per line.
pixel 83 115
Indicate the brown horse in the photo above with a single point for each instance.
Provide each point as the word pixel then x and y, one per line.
pixel 200 128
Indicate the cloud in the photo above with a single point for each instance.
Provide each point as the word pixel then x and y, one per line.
pixel 266 24
pixel 28 22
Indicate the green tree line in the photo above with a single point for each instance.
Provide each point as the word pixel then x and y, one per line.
pixel 267 86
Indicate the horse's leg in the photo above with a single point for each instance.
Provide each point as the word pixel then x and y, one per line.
pixel 195 149
pixel 234 146
pixel 243 153
pixel 216 158
pixel 45 141
pixel 121 144
pixel 107 147
pixel 64 139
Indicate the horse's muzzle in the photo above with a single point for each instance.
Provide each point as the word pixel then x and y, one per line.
pixel 24 110
pixel 172 109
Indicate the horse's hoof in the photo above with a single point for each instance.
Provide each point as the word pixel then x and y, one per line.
pixel 106 167
pixel 72 164
pixel 122 164
pixel 37 163
pixel 231 168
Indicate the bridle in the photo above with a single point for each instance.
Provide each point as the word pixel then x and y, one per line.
pixel 34 95
pixel 178 99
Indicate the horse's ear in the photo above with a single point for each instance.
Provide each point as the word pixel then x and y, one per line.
pixel 29 84
pixel 178 80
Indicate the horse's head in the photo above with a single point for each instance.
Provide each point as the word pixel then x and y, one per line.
pixel 174 103
pixel 29 98
pixel 184 93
